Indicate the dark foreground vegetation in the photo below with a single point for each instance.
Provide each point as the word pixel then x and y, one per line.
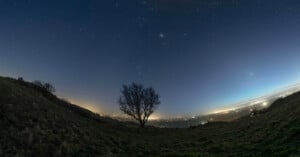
pixel 35 123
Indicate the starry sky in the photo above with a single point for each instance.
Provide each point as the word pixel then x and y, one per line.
pixel 198 54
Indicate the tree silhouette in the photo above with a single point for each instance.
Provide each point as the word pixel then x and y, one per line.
pixel 20 79
pixel 49 87
pixel 138 102
pixel 38 83
pixel 44 86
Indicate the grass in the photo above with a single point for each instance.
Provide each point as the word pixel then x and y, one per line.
pixel 35 123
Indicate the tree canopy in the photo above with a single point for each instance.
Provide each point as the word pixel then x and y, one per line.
pixel 138 102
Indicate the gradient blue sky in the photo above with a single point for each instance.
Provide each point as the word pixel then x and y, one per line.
pixel 197 54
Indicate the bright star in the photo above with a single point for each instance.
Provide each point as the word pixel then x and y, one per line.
pixel 162 35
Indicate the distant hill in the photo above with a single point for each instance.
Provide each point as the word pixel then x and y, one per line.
pixel 35 123
pixel 230 112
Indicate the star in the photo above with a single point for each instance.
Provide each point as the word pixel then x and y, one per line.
pixel 162 35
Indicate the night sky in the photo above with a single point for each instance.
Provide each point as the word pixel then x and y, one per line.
pixel 198 54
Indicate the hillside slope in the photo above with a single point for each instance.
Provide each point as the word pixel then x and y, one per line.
pixel 35 123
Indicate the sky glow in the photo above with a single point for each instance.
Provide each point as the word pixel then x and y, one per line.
pixel 200 56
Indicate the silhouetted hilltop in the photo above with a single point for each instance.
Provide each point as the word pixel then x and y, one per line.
pixel 36 123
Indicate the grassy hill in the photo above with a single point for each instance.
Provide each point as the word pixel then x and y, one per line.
pixel 35 123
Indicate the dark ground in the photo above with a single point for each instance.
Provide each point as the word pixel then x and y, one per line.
pixel 34 123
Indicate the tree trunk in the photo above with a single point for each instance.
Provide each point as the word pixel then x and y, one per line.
pixel 142 124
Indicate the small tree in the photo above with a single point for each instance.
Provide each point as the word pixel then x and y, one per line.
pixel 138 102
pixel 49 87
pixel 44 86
pixel 20 79
pixel 38 83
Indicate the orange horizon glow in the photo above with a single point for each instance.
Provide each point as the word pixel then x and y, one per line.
pixel 87 105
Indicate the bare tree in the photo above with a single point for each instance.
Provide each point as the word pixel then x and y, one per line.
pixel 138 102
pixel 49 87
pixel 45 86
pixel 38 83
